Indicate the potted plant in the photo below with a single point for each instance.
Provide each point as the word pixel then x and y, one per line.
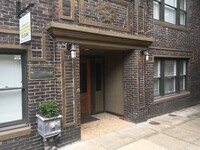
pixel 49 121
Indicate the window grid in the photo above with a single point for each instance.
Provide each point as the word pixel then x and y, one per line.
pixel 157 78
pixel 173 81
pixel 156 14
pixel 170 76
pixel 182 75
pixel 14 90
pixel 171 11
pixel 179 8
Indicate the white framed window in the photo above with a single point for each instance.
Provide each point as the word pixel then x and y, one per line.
pixel 156 10
pixel 171 2
pixel 170 14
pixel 11 90
pixel 170 76
pixel 171 11
pixel 182 75
pixel 156 77
pixel 182 12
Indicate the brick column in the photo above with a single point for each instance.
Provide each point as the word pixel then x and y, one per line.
pixel 135 101
pixel 68 92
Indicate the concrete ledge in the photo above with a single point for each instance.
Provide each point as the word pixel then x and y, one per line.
pixel 172 26
pixel 91 36
pixel 170 98
pixel 169 49
pixel 14 47
pixel 14 133
pixel 16 32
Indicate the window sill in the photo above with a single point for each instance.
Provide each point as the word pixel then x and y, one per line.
pixel 170 98
pixel 4 135
pixel 172 26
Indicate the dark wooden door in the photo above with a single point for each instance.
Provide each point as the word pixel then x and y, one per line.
pixel 85 86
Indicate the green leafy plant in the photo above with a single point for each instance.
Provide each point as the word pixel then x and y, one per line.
pixel 48 108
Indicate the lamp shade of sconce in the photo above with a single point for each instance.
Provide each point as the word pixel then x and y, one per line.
pixel 146 53
pixel 73 54
pixel 72 48
pixel 147 57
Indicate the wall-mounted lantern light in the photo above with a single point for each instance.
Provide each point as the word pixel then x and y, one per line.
pixel 146 53
pixel 72 48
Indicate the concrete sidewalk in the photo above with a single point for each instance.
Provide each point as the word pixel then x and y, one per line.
pixel 179 130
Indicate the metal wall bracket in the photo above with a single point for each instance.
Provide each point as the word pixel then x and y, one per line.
pixel 18 8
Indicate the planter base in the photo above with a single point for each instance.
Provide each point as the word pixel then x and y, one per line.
pixel 49 127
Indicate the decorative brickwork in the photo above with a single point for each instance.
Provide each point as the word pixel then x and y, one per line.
pixel 66 9
pixel 108 14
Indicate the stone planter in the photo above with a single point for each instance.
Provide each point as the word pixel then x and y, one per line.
pixel 49 127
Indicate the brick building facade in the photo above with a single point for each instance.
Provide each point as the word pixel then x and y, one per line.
pixel 108 33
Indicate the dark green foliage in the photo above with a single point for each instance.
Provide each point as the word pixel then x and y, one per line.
pixel 48 108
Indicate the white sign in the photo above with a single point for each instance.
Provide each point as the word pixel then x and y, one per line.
pixel 25 28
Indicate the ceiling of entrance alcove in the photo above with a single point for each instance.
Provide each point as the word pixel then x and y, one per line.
pixel 100 49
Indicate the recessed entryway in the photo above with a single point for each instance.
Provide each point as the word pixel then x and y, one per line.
pixel 101 93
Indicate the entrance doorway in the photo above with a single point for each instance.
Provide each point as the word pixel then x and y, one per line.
pixel 91 85
pixel 101 86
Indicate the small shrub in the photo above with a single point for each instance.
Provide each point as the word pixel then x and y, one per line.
pixel 48 108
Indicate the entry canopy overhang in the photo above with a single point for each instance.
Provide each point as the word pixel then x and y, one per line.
pixel 96 37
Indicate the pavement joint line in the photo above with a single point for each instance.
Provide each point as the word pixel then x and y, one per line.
pixel 180 139
pixel 127 144
pixel 187 129
pixel 148 135
pixel 188 120
pixel 128 136
pixel 157 130
pixel 177 125
pixel 101 145
pixel 197 140
pixel 173 126
pixel 132 142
